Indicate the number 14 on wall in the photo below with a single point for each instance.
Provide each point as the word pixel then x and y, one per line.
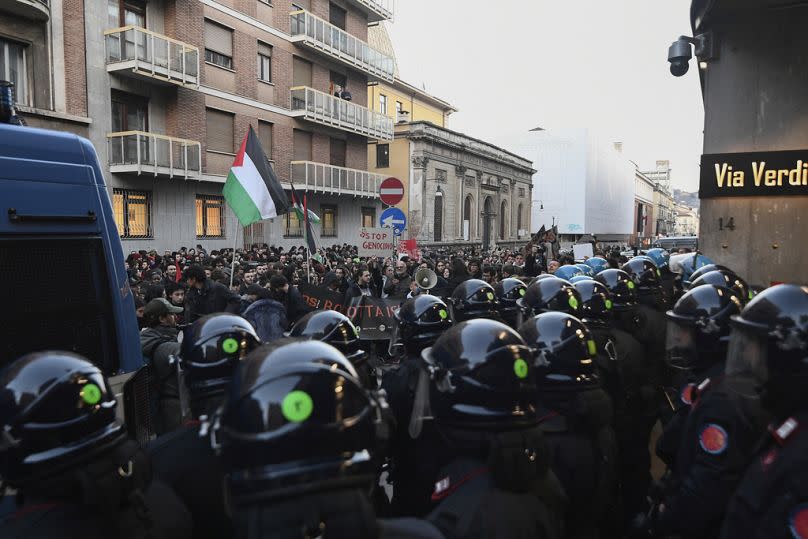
pixel 729 224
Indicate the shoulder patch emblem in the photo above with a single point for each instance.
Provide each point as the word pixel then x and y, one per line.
pixel 798 521
pixel 686 396
pixel 768 459
pixel 713 439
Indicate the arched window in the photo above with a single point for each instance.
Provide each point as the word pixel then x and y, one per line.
pixel 519 218
pixel 467 220
pixel 438 221
pixel 503 220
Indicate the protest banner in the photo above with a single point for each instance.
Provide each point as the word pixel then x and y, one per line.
pixel 374 242
pixel 373 317
pixel 582 251
pixel 320 297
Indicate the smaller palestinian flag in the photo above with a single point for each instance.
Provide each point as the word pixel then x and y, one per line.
pixel 252 190
pixel 309 233
pixel 298 207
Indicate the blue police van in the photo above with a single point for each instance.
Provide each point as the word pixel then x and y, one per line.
pixel 63 282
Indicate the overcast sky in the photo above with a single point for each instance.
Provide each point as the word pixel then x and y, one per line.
pixel 509 66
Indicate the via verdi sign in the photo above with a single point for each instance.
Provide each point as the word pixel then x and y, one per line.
pixel 754 174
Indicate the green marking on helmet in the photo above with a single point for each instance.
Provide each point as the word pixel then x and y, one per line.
pixel 751 294
pixel 592 347
pixel 297 406
pixel 522 291
pixel 356 330
pixel 490 296
pixel 443 314
pixel 90 394
pixel 573 302
pixel 631 285
pixel 520 368
pixel 659 273
pixel 608 304
pixel 230 345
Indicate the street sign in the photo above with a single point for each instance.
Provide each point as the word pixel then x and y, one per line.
pixel 391 191
pixel 395 219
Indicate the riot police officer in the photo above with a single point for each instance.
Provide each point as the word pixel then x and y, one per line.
pixel 721 429
pixel 567 272
pixel 508 292
pixel 336 329
pixel 671 286
pixel 549 294
pixel 76 473
pixel 577 416
pixel 419 323
pixel 210 350
pixel 726 279
pixel 768 348
pixel 298 436
pixel 597 263
pixel 474 298
pixel 476 381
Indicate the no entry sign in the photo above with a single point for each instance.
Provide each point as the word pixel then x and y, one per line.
pixel 391 191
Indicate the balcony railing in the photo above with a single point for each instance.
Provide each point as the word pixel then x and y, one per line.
pixel 336 43
pixel 38 10
pixel 150 153
pixel 377 10
pixel 143 53
pixel 325 178
pixel 321 108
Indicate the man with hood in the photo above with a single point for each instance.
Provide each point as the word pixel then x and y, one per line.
pixel 158 342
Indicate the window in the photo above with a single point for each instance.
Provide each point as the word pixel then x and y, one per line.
pixel 265 136
pixel 129 112
pixel 438 218
pixel 220 130
pixel 399 107
pixel 254 233
pixel 519 219
pixel 302 146
pixel 301 72
pixel 337 16
pixel 13 68
pixel 294 228
pixel 132 213
pixel 329 221
pixel 339 151
pixel 382 155
pixel 368 217
pixel 383 103
pixel 209 216
pixel 264 62
pixel 522 192
pixel 218 45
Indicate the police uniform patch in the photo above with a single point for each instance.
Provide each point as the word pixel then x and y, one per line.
pixel 768 459
pixel 798 521
pixel 713 439
pixel 686 396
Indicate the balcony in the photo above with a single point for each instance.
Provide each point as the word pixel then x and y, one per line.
pixel 38 10
pixel 335 43
pixel 150 153
pixel 324 109
pixel 140 53
pixel 320 177
pixel 376 10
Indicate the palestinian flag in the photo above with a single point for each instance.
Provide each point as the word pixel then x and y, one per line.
pixel 252 190
pixel 309 233
pixel 298 207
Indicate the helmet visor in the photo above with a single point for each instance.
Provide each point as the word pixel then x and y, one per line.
pixel 746 368
pixel 680 346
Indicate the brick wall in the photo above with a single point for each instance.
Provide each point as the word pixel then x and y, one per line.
pixel 75 67
pixel 245 51
pixel 357 151
pixel 185 117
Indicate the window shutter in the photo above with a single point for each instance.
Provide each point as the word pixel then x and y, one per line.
pixel 302 149
pixel 218 38
pixel 264 49
pixel 220 131
pixel 265 135
pixel 301 72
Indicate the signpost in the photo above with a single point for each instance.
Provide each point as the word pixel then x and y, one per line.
pixel 395 219
pixel 391 191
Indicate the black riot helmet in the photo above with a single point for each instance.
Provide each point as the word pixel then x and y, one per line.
pixel 57 410
pixel 699 326
pixel 564 352
pixel 643 272
pixel 334 328
pixel 474 298
pixel 769 346
pixel 707 268
pixel 211 348
pixel 419 322
pixel 596 304
pixel 294 418
pixel 622 289
pixel 726 279
pixel 508 292
pixel 550 294
pixel 476 377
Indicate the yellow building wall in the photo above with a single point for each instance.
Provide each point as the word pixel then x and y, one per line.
pixel 418 109
pixel 399 167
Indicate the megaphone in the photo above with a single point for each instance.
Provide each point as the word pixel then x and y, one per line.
pixel 425 278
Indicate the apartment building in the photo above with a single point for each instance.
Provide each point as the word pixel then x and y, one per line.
pixel 166 90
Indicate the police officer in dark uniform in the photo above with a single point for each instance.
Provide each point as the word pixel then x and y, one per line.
pixel 76 473
pixel 726 279
pixel 298 436
pixel 474 298
pixel 508 292
pixel 336 329
pixel 636 415
pixel 576 421
pixel 722 427
pixel 478 385
pixel 419 323
pixel 549 294
pixel 671 285
pixel 210 350
pixel 769 345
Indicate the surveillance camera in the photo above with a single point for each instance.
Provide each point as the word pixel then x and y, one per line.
pixel 679 55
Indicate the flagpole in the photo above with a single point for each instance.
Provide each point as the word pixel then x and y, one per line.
pixel 233 264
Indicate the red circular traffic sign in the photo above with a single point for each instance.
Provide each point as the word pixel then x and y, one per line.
pixel 391 191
